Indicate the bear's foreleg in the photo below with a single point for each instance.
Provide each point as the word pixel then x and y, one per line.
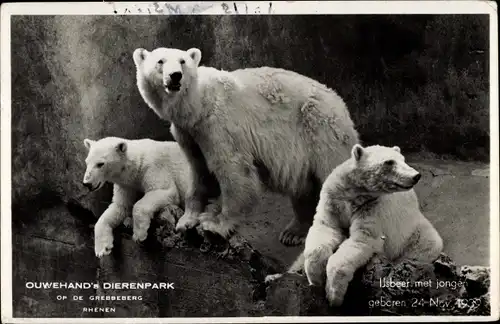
pixel 240 185
pixel 364 241
pixel 321 242
pixel 145 209
pixel 116 213
pixel 196 197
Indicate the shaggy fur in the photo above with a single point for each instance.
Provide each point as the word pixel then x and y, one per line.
pixel 254 129
pixel 371 195
pixel 159 170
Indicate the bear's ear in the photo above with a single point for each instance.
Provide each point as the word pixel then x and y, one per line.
pixel 397 149
pixel 121 147
pixel 357 152
pixel 195 54
pixel 140 55
pixel 88 143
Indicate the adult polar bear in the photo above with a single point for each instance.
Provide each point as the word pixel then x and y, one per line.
pixel 252 128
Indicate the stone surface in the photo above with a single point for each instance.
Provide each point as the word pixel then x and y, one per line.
pixel 440 288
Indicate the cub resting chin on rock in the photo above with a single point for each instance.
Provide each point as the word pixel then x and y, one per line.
pixel 158 170
pixel 371 195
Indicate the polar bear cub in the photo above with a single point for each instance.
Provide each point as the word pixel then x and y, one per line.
pixel 371 195
pixel 157 169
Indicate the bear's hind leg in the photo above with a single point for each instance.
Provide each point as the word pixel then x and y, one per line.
pixel 304 209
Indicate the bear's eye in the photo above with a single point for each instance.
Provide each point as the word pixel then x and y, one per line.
pixel 160 62
pixel 389 163
pixel 183 61
pixel 99 165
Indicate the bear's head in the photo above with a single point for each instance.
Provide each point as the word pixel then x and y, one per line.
pixel 172 70
pixel 105 161
pixel 381 169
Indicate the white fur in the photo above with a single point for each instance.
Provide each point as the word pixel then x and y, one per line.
pixel 360 196
pixel 292 126
pixel 159 170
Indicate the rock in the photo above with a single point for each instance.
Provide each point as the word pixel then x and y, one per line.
pixel 477 280
pixel 212 277
pixel 439 288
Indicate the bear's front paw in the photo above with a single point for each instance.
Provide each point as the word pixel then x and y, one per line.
pixel 336 288
pixel 187 221
pixel 128 222
pixel 294 234
pixel 335 295
pixel 217 225
pixel 139 235
pixel 103 242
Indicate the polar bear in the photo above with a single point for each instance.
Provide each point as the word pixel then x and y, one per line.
pixel 254 129
pixel 371 195
pixel 159 170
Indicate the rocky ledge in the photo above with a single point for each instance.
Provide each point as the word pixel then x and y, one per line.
pixel 217 278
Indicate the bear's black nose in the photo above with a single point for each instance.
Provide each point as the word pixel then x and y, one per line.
pixel 176 77
pixel 88 185
pixel 417 178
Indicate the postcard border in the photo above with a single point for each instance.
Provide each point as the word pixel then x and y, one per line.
pixel 216 8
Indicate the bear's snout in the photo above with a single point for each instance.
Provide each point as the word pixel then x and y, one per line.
pixel 88 185
pixel 174 82
pixel 176 77
pixel 416 178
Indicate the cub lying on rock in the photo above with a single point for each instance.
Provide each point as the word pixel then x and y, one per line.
pixel 159 170
pixel 371 194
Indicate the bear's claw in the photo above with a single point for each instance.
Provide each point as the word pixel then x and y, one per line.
pixel 103 247
pixel 187 221
pixel 224 229
pixel 294 234
pixel 103 240
pixel 290 238
pixel 139 236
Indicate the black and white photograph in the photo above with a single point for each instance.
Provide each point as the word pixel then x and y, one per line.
pixel 282 161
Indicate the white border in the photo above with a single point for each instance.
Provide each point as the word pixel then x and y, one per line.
pixel 278 7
